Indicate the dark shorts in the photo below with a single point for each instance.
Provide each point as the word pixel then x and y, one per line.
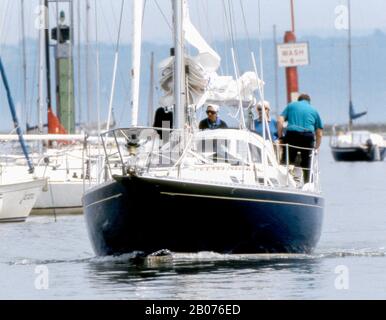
pixel 303 140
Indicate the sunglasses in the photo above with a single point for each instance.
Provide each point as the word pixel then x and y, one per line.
pixel 211 112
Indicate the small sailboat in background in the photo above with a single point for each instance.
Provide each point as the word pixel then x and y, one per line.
pixel 221 190
pixel 19 189
pixel 356 145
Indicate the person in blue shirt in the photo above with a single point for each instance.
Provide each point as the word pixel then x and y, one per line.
pixel 272 123
pixel 304 129
pixel 213 121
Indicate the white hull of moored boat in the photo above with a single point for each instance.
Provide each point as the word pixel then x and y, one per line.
pixel 63 169
pixel 61 197
pixel 17 199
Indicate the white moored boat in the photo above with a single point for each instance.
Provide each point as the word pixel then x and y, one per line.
pixel 18 196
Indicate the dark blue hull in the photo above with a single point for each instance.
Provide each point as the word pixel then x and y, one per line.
pixel 357 154
pixel 138 214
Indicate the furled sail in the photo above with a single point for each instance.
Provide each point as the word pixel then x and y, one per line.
pixel 203 83
pixel 353 114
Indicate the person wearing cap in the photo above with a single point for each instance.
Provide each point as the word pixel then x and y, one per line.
pixel 304 130
pixel 213 121
pixel 271 123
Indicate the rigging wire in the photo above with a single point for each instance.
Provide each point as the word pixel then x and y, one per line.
pixel 98 84
pixel 225 49
pixel 163 15
pixel 261 47
pixel 3 26
pixel 128 92
pixel 254 65
pixel 245 26
pixel 110 112
pixel 261 71
pixel 211 33
pixel 261 91
pixel 229 37
pixel 121 75
pixel 231 30
pixel 234 29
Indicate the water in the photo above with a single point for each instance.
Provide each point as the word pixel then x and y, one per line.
pixel 353 242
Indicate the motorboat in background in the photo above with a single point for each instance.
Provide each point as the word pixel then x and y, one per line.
pixel 355 145
pixel 226 191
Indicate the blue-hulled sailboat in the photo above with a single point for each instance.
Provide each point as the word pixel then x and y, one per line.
pixel 226 191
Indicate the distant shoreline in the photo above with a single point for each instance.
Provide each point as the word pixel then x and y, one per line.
pixel 373 127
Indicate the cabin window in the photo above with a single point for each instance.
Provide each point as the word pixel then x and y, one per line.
pixel 255 153
pixel 224 151
pixel 215 150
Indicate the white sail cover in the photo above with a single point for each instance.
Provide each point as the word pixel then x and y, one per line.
pixel 204 84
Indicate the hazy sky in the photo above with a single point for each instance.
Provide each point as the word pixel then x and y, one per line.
pixel 312 17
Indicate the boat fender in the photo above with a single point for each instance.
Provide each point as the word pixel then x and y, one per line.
pixel 376 153
pixel 45 187
pixel 297 171
pixel 369 144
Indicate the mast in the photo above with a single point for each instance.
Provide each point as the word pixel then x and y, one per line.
pixel 179 65
pixel 136 59
pixel 79 66
pixel 24 58
pixel 150 105
pixel 349 61
pixel 71 71
pixel 98 80
pixel 276 71
pixel 116 58
pixel 14 117
pixel 42 60
pixel 88 61
pixel 48 63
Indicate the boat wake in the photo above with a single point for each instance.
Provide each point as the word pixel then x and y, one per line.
pixel 364 252
pixel 167 256
pixel 32 262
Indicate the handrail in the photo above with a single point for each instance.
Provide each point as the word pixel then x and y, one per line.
pixel 295 147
